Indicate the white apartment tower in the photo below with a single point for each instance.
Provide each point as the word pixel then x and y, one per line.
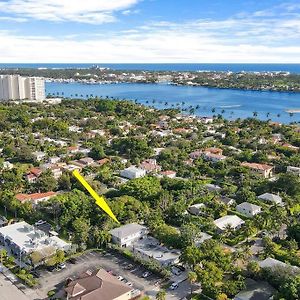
pixel 15 87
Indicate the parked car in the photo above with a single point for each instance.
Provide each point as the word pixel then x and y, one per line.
pixel 39 222
pixel 120 278
pixel 129 283
pixel 61 266
pixel 181 268
pixel 146 274
pixel 176 271
pixel 51 268
pixel 72 260
pixel 174 286
pixel 129 267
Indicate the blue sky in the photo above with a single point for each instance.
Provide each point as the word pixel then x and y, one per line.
pixel 114 31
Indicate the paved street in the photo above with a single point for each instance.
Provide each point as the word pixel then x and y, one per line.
pixel 8 291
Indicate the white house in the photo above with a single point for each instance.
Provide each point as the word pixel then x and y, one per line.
pixel 248 209
pixel 230 220
pixel 275 199
pixel 133 172
pixel 293 170
pixel 125 235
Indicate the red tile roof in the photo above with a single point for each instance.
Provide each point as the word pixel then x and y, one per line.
pixel 35 196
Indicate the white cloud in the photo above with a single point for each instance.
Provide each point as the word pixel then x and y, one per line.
pixel 89 11
pixel 241 38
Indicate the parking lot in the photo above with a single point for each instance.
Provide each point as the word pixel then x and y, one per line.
pixel 116 265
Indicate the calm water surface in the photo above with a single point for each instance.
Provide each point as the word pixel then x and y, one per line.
pixel 233 103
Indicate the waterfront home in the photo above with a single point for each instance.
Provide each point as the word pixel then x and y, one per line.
pixel 127 234
pixel 233 221
pixel 248 209
pixel 293 170
pixel 261 169
pixel 275 199
pixel 133 172
pixel 98 284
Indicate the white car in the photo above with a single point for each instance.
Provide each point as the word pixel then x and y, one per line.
pixel 120 278
pixel 40 222
pixel 129 283
pixel 174 286
pixel 146 274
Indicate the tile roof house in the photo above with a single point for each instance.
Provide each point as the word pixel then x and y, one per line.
pixel 275 199
pixel 33 174
pixel 262 169
pixel 97 285
pixel 36 197
pixel 213 157
pixel 168 173
pixel 150 165
pixel 248 209
pixel 214 150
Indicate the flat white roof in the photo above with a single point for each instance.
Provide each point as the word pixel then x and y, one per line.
pixel 150 247
pixel 29 239
pixel 127 230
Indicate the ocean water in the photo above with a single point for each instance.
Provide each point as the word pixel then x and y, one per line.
pixel 231 103
pixel 292 68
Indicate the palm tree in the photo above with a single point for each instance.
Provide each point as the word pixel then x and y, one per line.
pixel 161 295
pixel 192 278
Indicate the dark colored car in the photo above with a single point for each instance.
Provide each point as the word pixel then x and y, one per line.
pixel 51 268
pixel 72 260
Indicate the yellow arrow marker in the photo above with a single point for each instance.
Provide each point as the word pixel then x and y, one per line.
pixel 99 200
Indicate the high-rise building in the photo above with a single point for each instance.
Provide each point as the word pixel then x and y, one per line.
pixel 15 87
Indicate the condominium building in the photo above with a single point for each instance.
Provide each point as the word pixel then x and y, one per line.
pixel 15 87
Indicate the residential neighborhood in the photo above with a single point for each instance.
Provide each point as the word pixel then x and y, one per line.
pixel 207 208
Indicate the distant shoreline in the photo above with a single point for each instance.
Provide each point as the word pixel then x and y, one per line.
pixel 293 111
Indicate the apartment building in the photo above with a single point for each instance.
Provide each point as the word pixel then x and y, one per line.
pixel 15 87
